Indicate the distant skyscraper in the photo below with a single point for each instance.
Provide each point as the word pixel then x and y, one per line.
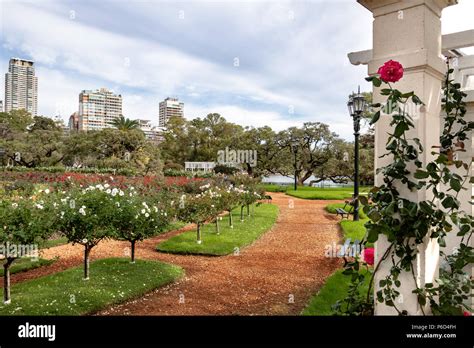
pixel 73 123
pixel 21 86
pixel 1 105
pixel 97 109
pixel 168 108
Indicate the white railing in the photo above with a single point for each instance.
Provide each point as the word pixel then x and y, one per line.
pixel 199 166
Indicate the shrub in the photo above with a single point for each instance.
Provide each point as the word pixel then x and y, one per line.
pixel 25 222
pixel 138 217
pixel 222 169
pixel 198 208
pixel 173 166
pixel 86 216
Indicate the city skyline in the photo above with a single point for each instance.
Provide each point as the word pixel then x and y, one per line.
pixel 252 72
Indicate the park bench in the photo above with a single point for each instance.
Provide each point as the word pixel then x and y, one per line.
pixel 268 198
pixel 345 213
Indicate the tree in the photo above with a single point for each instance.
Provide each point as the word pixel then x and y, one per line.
pixel 315 147
pixel 43 123
pixel 16 120
pixel 25 223
pixel 138 217
pixel 30 141
pixel 198 139
pixel 248 190
pixel 263 141
pixel 86 217
pixel 230 198
pixel 197 209
pixel 125 124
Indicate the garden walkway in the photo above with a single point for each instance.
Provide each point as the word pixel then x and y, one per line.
pixel 277 274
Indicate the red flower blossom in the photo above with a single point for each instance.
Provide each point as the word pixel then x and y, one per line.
pixel 391 71
pixel 368 255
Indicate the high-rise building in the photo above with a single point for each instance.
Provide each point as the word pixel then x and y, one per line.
pixel 152 133
pixel 1 105
pixel 98 109
pixel 170 107
pixel 21 86
pixel 73 123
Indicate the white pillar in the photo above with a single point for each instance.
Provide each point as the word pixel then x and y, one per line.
pixel 409 31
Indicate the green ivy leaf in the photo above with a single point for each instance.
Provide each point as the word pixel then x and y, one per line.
pixel 363 200
pixel 400 129
pixel 448 202
pixel 421 174
pixel 375 118
pixel 373 235
pixel 455 184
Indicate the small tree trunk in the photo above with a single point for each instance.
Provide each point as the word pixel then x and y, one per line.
pixel 217 225
pixel 87 251
pixel 248 209
pixel 199 233
pixel 133 250
pixel 6 281
pixel 242 213
pixel 230 219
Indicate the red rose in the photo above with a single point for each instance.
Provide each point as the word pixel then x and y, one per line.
pixel 467 314
pixel 391 71
pixel 368 255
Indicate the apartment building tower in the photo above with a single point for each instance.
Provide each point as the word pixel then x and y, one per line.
pixel 170 107
pixel 21 86
pixel 98 108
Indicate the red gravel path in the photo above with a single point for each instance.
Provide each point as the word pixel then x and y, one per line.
pixel 276 275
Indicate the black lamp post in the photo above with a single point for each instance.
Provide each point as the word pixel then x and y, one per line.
pixel 356 106
pixel 294 147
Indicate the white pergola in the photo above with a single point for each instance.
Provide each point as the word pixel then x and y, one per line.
pixel 409 31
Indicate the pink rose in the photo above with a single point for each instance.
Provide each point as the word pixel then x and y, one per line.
pixel 391 71
pixel 368 255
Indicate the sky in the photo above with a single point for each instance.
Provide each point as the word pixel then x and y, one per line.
pixel 276 63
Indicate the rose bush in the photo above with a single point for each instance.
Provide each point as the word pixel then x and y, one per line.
pixel 137 217
pixel 86 216
pixel 25 222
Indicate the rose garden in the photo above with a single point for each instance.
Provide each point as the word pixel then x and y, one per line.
pixel 144 237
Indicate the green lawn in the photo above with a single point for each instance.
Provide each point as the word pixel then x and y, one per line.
pixel 355 230
pixel 275 188
pixel 334 289
pixel 54 242
pixel 328 193
pixel 331 208
pixel 111 281
pixel 22 265
pixel 243 233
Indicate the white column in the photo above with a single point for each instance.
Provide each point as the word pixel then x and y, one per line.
pixel 409 31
